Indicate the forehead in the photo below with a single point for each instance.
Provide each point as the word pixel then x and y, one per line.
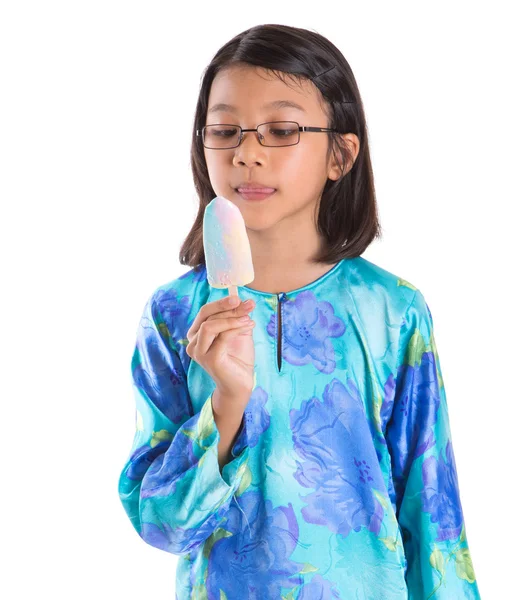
pixel 242 90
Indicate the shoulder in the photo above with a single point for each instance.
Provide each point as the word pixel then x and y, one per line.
pixel 176 303
pixel 402 303
pixel 390 307
pixel 180 296
pixel 378 286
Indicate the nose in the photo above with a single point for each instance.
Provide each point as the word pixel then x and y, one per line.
pixel 250 151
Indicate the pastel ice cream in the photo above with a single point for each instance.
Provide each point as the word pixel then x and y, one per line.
pixel 226 246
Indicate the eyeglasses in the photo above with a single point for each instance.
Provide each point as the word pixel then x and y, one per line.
pixel 273 133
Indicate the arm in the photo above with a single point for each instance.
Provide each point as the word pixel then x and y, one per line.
pixel 426 494
pixel 171 486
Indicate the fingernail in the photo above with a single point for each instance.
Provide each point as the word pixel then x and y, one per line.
pixel 247 303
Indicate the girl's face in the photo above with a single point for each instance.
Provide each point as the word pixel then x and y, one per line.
pixel 298 173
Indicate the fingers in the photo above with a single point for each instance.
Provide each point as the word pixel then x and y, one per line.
pixel 219 309
pixel 209 309
pixel 204 341
pixel 239 311
pixel 211 328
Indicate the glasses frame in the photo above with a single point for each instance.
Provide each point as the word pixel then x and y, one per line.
pixel 301 128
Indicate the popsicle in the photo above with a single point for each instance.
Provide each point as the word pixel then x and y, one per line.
pixel 226 247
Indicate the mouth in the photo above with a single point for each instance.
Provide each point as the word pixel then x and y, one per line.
pixel 255 193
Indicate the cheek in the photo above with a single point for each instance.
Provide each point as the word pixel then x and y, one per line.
pixel 303 169
pixel 217 170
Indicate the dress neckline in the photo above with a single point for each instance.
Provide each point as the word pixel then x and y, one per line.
pixel 308 286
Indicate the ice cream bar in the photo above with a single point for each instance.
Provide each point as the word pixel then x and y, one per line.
pixel 226 246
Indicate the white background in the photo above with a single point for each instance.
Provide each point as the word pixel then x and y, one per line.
pixel 97 101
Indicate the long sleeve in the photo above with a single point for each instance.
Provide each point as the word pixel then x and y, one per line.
pixel 425 491
pixel 171 487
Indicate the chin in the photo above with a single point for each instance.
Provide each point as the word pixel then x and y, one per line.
pixel 260 223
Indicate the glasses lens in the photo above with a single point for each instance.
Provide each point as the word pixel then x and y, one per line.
pixel 221 136
pixel 279 133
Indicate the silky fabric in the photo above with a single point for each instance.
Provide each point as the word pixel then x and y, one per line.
pixel 342 481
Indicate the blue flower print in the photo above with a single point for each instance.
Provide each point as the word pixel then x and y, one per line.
pixel 343 499
pixel 167 468
pixel 163 383
pixel 142 458
pixel 308 324
pixel 176 313
pixel 252 561
pixel 417 400
pixel 257 420
pixel 440 494
pixel 170 539
pixel 174 309
pixel 388 397
pixel 318 588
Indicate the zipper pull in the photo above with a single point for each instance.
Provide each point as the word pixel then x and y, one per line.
pixel 282 297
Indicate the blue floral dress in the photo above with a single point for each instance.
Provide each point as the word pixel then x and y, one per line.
pixel 342 481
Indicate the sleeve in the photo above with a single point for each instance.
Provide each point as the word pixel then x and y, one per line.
pixel 171 487
pixel 424 487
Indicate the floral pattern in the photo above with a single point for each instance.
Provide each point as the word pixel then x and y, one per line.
pixel 341 481
pixel 308 326
pixel 241 563
pixel 343 500
pixel 439 495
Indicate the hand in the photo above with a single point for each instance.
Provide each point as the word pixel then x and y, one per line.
pixel 224 347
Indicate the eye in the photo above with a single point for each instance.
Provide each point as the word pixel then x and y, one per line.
pixel 283 131
pixel 221 131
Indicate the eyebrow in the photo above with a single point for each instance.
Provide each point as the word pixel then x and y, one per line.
pixel 222 107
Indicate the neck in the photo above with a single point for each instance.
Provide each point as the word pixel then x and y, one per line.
pixel 282 258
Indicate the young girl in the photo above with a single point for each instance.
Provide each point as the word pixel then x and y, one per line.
pixel 304 453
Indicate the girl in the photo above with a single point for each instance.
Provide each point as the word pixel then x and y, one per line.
pixel 304 453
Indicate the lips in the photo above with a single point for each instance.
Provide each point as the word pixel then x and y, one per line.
pixel 255 195
pixel 256 190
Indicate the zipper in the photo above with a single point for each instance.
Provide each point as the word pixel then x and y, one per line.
pixel 281 298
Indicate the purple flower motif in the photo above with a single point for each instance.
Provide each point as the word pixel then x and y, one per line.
pixel 318 589
pixel 307 325
pixel 415 411
pixel 254 561
pixel 343 481
pixel 441 496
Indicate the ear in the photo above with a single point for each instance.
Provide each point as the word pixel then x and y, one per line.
pixel 353 143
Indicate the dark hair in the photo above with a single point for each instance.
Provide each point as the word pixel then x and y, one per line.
pixel 347 217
